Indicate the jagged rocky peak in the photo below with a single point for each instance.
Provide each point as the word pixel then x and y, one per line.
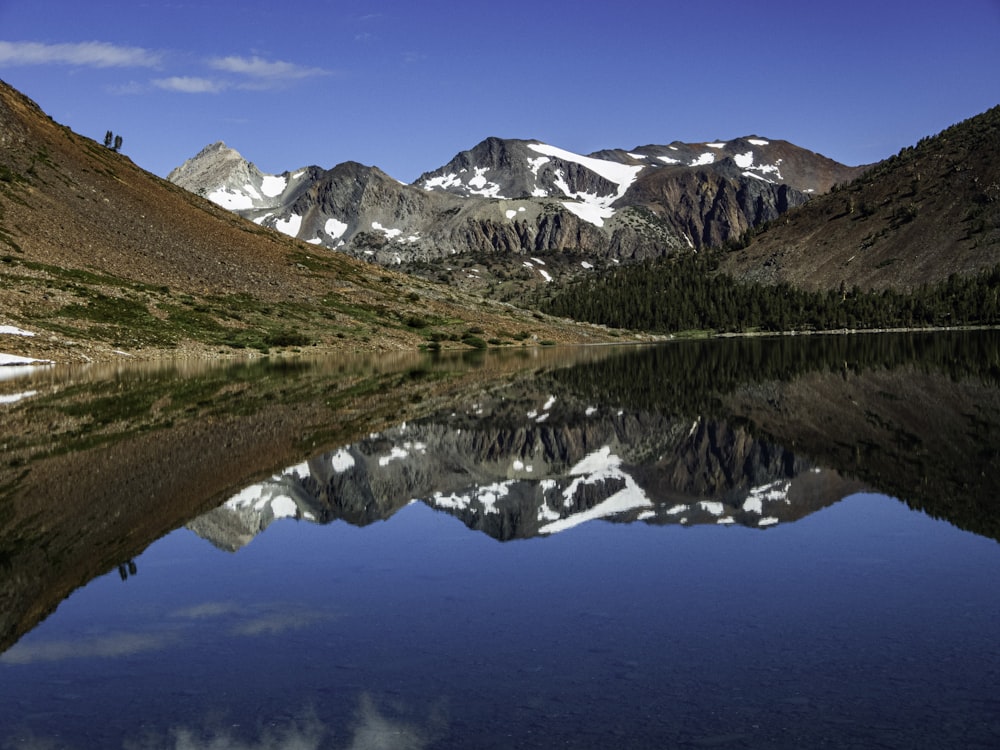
pixel 499 168
pixel 494 168
pixel 217 164
pixel 225 177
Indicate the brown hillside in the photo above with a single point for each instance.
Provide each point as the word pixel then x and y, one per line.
pixel 930 211
pixel 98 254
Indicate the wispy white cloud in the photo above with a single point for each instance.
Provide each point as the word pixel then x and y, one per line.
pixel 223 74
pixel 89 54
pixel 265 71
pixel 191 84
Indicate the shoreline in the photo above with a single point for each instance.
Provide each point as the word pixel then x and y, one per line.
pixel 30 353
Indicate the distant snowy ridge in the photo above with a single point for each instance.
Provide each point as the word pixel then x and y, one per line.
pixel 524 198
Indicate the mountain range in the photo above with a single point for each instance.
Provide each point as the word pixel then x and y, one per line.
pixel 521 200
pixel 103 260
pixel 527 212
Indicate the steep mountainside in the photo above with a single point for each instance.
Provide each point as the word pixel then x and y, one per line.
pixel 928 212
pixel 99 255
pixel 516 199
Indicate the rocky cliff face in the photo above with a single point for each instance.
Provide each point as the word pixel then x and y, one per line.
pixel 516 198
pixel 538 465
pixel 712 207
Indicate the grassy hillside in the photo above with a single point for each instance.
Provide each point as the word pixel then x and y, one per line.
pixel 98 255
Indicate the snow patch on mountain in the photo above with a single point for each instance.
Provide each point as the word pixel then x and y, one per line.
pixel 389 233
pixel 541 271
pixel 230 200
pixel 335 228
pixel 272 185
pixel 16 359
pixel 769 169
pixel 622 175
pixel 443 182
pixel 590 207
pixel 13 398
pixel 593 209
pixel 483 186
pixel 14 331
pixel 745 161
pixel 536 163
pixel 289 226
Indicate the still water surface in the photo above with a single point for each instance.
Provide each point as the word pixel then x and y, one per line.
pixel 534 566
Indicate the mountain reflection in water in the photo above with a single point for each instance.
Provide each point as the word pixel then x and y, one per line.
pixel 522 464
pixel 817 616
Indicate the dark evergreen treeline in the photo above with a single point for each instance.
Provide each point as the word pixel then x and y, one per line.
pixel 685 293
pixel 687 378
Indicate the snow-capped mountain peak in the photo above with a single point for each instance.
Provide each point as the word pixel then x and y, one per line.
pixel 524 199
pixel 222 175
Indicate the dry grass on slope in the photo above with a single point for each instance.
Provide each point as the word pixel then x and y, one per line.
pixel 928 212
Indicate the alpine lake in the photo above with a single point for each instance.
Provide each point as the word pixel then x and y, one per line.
pixel 784 542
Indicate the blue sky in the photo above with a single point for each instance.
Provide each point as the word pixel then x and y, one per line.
pixel 407 85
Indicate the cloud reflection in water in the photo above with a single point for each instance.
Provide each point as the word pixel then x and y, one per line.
pixel 108 646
